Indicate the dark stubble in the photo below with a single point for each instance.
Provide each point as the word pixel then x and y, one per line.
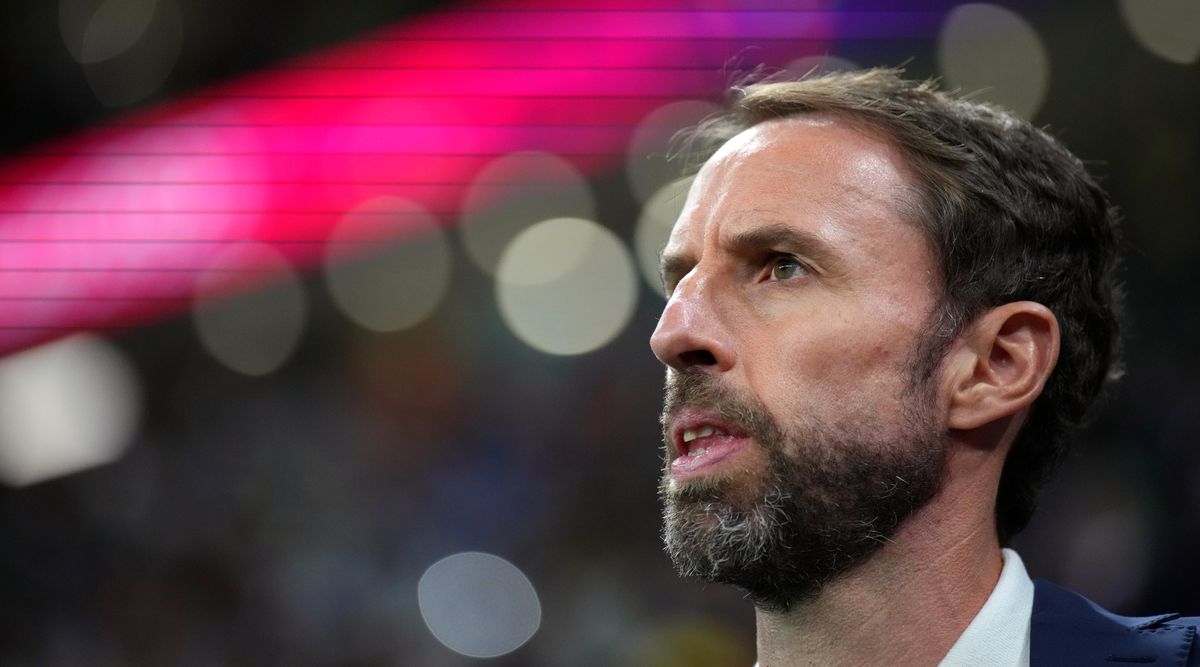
pixel 832 495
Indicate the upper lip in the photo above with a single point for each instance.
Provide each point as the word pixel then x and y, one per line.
pixel 691 419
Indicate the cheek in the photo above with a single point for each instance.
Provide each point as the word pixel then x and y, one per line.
pixel 836 368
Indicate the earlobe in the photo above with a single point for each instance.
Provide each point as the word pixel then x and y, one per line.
pixel 1006 356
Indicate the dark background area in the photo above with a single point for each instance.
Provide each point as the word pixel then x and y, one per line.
pixel 286 519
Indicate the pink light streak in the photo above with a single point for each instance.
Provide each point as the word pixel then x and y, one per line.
pixel 111 227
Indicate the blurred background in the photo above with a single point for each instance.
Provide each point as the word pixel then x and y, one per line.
pixel 325 324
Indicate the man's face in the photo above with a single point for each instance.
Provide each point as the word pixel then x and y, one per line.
pixel 797 439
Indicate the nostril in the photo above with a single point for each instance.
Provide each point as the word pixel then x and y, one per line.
pixel 698 358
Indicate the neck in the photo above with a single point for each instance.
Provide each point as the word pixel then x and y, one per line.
pixel 907 604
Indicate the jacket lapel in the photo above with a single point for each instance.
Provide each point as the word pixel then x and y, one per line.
pixel 1068 629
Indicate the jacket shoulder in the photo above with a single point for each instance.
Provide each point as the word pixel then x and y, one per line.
pixel 1069 629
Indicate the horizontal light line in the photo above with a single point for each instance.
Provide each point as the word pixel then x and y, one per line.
pixel 269 271
pixel 568 39
pixel 221 240
pixel 494 68
pixel 149 299
pixel 229 183
pixel 224 212
pixel 275 153
pixel 682 10
pixel 118 124
pixel 582 96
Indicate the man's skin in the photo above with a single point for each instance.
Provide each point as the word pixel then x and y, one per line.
pixel 795 277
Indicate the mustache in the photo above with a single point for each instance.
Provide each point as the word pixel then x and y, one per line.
pixel 697 389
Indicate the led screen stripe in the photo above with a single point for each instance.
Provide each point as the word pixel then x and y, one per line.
pixel 111 227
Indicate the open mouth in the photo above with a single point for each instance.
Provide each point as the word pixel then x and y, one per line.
pixel 702 442
pixel 695 441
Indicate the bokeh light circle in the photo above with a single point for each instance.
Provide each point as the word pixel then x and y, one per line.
pixel 993 51
pixel 566 286
pixel 387 264
pixel 513 192
pixel 649 164
pixel 478 604
pixel 654 228
pixel 1170 29
pixel 131 64
pixel 249 308
pixel 65 406
pixel 96 30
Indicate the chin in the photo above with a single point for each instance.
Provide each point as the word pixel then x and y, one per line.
pixel 736 489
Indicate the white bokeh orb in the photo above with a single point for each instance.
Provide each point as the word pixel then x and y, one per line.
pixel 993 51
pixel 566 286
pixel 65 406
pixel 478 604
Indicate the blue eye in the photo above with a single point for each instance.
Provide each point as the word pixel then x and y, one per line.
pixel 784 268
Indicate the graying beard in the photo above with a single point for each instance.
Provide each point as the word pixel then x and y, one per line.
pixel 701 550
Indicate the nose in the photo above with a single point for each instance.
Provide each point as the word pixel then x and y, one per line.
pixel 691 334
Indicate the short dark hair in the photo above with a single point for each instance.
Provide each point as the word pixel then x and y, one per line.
pixel 1011 215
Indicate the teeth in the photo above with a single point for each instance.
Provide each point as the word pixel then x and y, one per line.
pixel 702 432
pixel 699 451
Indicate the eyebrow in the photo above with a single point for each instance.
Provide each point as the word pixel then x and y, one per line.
pixel 774 236
pixel 780 236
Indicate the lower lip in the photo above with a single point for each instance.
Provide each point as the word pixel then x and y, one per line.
pixel 721 450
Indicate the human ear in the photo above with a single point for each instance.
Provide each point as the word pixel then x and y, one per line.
pixel 1003 363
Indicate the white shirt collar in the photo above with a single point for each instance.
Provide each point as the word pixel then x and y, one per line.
pixel 998 636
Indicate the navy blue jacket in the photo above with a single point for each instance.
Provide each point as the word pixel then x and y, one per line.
pixel 1067 629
